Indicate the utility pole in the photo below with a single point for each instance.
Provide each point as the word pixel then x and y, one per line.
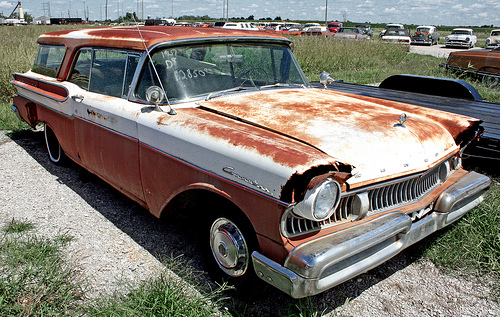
pixel 326 13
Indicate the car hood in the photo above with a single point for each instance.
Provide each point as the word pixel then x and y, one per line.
pixel 361 131
pixel 458 36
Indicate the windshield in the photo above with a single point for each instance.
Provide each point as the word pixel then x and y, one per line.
pixel 465 32
pixel 423 29
pixel 197 71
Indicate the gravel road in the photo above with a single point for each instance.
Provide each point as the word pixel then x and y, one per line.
pixel 437 50
pixel 116 241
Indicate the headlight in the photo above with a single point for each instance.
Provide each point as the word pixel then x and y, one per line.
pixel 319 202
pixel 467 39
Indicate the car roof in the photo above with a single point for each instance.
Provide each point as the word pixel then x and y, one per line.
pixel 131 38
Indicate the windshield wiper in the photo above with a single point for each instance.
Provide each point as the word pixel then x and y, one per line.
pixel 222 92
pixel 282 85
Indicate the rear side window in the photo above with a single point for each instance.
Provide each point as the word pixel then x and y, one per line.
pixel 103 71
pixel 49 60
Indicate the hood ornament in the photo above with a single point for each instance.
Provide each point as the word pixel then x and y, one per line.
pixel 401 121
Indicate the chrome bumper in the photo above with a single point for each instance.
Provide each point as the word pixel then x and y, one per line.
pixel 320 264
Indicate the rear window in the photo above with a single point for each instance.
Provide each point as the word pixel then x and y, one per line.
pixel 49 60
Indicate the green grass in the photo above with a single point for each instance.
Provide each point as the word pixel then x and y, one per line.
pixel 474 241
pixel 35 280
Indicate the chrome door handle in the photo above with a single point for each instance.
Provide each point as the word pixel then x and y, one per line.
pixel 78 98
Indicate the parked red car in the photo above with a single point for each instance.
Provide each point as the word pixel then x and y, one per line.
pixel 334 26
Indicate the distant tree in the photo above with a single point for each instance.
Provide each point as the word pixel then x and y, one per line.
pixel 28 18
pixel 130 17
pixel 251 18
pixel 277 19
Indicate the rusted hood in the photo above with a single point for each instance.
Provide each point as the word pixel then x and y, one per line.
pixel 361 131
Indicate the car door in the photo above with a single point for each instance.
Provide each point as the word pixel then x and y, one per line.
pixel 105 121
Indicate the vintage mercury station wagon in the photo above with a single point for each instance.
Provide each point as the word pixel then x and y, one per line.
pixel 304 187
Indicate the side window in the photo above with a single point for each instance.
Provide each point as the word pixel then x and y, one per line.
pixel 108 72
pixel 49 60
pixel 80 74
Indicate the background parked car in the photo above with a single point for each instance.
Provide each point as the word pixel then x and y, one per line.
pixel 397 35
pixel 351 33
pixel 484 63
pixel 461 37
pixel 425 34
pixel 318 31
pixel 366 28
pixel 391 26
pixel 240 26
pixel 493 40
pixel 334 26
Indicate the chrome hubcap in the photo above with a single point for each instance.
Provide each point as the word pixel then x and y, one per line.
pixel 229 247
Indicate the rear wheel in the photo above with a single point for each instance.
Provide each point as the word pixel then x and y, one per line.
pixel 56 154
pixel 490 81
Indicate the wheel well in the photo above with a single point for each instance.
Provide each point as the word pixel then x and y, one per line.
pixel 201 205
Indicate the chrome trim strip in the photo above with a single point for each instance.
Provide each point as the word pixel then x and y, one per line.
pixel 325 262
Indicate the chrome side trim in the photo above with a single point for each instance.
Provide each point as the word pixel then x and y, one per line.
pixel 320 264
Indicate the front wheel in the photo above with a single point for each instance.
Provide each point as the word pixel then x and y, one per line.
pixel 229 247
pixel 56 153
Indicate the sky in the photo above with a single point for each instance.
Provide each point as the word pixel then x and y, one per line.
pixel 421 12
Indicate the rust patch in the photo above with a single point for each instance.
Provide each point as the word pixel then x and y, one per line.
pixel 280 149
pixel 129 37
pixel 296 187
pixel 293 112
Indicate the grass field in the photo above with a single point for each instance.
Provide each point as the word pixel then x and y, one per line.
pixel 472 244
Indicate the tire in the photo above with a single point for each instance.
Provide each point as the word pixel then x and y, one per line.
pixel 231 241
pixel 54 150
pixel 490 81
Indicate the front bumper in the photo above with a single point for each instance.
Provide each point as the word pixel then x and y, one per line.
pixel 457 43
pixel 320 264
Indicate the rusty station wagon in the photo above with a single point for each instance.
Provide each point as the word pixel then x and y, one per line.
pixel 483 63
pixel 304 187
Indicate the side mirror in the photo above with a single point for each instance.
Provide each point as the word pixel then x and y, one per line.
pixel 325 79
pixel 155 95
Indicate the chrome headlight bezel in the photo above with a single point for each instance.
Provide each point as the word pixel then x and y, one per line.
pixel 319 202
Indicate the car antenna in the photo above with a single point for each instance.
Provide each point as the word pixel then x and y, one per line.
pixel 170 111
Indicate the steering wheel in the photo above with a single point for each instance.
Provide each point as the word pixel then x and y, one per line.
pixel 253 73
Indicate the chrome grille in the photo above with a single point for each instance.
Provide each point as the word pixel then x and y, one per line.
pixel 381 197
pixel 403 192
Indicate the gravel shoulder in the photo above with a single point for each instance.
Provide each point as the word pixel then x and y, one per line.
pixel 117 241
pixel 437 50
